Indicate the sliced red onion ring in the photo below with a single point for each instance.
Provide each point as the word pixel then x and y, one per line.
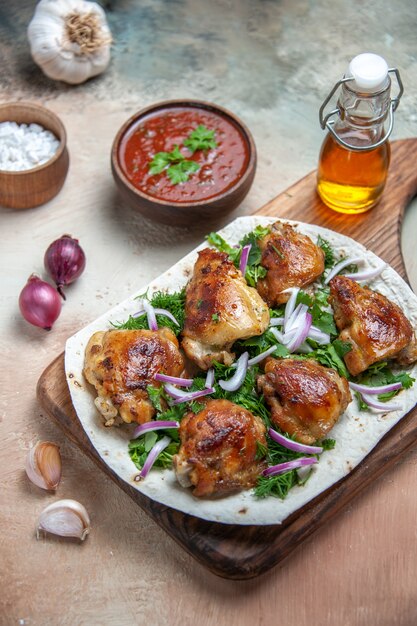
pixel 318 336
pixel 149 426
pixel 193 395
pixel 384 407
pixel 174 380
pixel 277 334
pixel 293 445
pixel 150 313
pixel 290 306
pixel 152 456
pixel 179 393
pixel 366 275
pixel 244 258
pixel 209 378
pixel 296 318
pixel 158 312
pixel 301 335
pixel 339 266
pixel 261 356
pixel 375 390
pixel 281 468
pixel 239 376
pixel 276 321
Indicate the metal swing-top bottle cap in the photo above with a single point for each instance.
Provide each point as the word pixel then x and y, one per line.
pixel 368 74
pixel 369 71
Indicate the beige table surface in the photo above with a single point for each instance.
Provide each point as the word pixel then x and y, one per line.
pixel 272 63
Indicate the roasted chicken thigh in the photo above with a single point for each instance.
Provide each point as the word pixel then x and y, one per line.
pixel 121 363
pixel 306 399
pixel 375 327
pixel 218 452
pixel 291 260
pixel 220 308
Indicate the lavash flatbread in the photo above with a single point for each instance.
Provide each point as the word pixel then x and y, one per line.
pixel 356 433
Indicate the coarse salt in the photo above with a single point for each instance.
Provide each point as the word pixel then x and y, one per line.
pixel 23 146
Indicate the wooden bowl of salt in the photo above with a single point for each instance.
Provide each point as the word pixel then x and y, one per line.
pixel 43 161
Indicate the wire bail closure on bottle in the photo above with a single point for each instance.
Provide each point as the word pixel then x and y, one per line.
pixel 327 122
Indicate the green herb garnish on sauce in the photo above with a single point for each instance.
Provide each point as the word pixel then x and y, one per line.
pixel 177 167
pixel 200 139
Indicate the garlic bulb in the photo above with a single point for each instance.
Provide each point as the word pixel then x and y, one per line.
pixel 70 39
pixel 66 518
pixel 44 466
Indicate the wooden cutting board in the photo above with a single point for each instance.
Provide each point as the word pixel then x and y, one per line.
pixel 240 552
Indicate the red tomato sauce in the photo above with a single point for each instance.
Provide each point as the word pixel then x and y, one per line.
pixel 220 167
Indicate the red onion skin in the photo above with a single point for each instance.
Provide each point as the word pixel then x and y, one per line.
pixel 64 261
pixel 39 303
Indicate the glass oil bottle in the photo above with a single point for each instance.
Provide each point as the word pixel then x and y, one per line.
pixel 355 155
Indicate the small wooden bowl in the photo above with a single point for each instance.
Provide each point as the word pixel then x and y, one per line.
pixel 184 213
pixel 31 188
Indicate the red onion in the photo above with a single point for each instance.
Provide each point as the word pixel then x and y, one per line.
pixel 193 395
pixel 150 426
pixel 366 274
pixel 64 261
pixel 339 266
pixel 383 407
pixel 293 445
pixel 375 390
pixel 244 258
pixel 209 378
pixel 174 380
pixel 239 376
pixel 152 456
pixel 302 333
pixel 164 312
pixel 150 313
pixel 281 468
pixel 290 306
pixel 260 357
pixel 39 303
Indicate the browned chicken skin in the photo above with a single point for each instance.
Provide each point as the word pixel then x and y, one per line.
pixel 376 328
pixel 306 399
pixel 121 363
pixel 219 309
pixel 291 260
pixel 219 448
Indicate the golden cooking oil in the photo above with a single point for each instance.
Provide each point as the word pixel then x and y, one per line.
pixel 348 181
pixel 355 155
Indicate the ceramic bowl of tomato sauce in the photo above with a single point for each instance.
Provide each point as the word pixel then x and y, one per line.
pixel 182 161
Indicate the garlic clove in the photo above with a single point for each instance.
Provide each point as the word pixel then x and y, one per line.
pixel 66 518
pixel 44 466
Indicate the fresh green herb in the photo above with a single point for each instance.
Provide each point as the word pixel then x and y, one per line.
pixel 261 451
pixel 215 317
pixel 217 241
pixel 276 486
pixel 156 395
pixel 180 172
pixel 380 374
pixel 327 444
pixel 279 253
pixel 173 302
pixel 331 355
pixel 329 255
pixel 162 160
pixel 177 167
pixel 140 448
pixel 201 139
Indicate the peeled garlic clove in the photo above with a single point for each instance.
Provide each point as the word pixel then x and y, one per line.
pixel 44 466
pixel 66 518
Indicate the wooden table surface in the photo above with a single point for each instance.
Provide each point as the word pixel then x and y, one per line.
pixel 272 64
